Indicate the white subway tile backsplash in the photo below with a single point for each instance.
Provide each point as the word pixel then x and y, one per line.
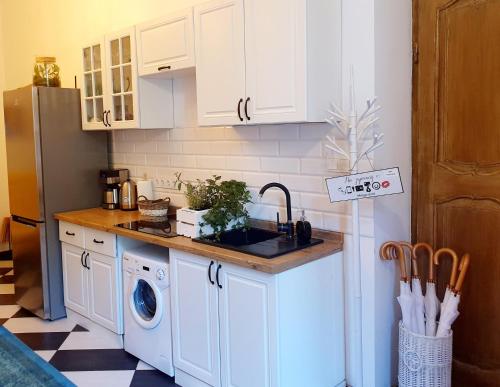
pixel 303 183
pixel 301 148
pixel 243 163
pixel 260 148
pixel 211 162
pixel 279 132
pixel 157 160
pixel 145 147
pixel 281 164
pixel 290 154
pixel 183 161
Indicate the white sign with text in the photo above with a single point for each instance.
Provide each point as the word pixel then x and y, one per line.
pixel 365 185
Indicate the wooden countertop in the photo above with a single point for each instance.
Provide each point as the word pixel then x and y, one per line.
pixel 105 220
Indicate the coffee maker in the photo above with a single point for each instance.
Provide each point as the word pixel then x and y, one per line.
pixel 111 180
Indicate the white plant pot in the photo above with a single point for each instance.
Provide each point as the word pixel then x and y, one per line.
pixel 188 223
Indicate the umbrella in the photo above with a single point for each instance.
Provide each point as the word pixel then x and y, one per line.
pixel 405 298
pixel 431 302
pixel 418 323
pixel 449 312
pixel 453 275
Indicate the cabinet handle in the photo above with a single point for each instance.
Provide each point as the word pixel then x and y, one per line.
pixel 217 276
pixel 163 68
pixel 246 109
pixel 108 112
pixel 239 109
pixel 70 233
pixel 86 257
pixel 210 272
pixel 96 241
pixel 81 259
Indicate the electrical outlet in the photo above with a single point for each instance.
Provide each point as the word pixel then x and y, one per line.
pixel 337 165
pixel 164 182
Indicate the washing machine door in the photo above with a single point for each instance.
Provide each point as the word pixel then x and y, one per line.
pixel 145 302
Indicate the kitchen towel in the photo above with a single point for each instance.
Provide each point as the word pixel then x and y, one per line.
pixel 145 188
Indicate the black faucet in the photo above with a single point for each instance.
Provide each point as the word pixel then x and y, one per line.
pixel 282 227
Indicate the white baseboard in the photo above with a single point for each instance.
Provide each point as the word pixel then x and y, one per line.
pixel 185 380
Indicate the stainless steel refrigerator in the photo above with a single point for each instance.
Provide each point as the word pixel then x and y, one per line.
pixel 53 166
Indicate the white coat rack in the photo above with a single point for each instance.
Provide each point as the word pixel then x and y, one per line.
pixel 359 134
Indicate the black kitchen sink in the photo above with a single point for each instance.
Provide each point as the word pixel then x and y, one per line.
pixel 257 241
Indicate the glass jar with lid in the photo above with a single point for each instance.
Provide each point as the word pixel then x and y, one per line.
pixel 46 72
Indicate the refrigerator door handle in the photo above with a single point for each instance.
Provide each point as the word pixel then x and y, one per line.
pixel 25 221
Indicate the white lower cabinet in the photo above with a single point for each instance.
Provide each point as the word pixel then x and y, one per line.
pixel 247 321
pixel 92 280
pixel 75 278
pixel 103 297
pixel 195 319
pixel 234 326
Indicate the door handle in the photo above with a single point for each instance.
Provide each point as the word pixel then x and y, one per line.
pixel 25 221
pixel 86 257
pixel 99 242
pixel 70 233
pixel 81 259
pixel 210 272
pixel 239 109
pixel 217 276
pixel 164 68
pixel 246 109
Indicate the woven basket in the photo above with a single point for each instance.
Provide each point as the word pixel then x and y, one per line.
pixel 424 361
pixel 153 208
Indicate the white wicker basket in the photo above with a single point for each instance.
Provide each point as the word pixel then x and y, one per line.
pixel 424 361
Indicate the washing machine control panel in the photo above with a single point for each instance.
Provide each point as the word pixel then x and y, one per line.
pixel 160 274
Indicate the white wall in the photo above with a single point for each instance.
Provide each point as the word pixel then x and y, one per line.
pixel 4 195
pixel 393 63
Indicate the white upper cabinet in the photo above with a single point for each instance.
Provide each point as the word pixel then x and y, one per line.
pixel 220 62
pixel 113 95
pixel 276 61
pixel 288 51
pixel 93 81
pixel 166 45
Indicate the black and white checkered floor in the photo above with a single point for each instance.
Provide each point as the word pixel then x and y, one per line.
pixel 88 359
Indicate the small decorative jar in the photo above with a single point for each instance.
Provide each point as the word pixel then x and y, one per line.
pixel 46 72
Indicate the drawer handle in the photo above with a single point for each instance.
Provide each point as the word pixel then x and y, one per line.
pixel 164 68
pixel 96 241
pixel 70 233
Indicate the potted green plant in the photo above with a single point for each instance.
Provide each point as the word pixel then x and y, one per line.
pixel 213 206
pixel 229 208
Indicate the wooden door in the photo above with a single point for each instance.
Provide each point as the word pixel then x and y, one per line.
pixel 275 53
pixel 195 318
pixel 247 327
pixel 75 278
pixel 456 179
pixel 105 280
pixel 220 62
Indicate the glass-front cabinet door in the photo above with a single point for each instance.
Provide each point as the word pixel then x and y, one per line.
pixel 93 87
pixel 122 79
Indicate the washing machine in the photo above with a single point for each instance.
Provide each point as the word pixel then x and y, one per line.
pixel 146 306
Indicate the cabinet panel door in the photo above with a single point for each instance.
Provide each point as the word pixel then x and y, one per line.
pixel 166 44
pixel 220 61
pixel 93 86
pixel 275 52
pixel 105 279
pixel 121 74
pixel 247 310
pixel 195 317
pixel 75 278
